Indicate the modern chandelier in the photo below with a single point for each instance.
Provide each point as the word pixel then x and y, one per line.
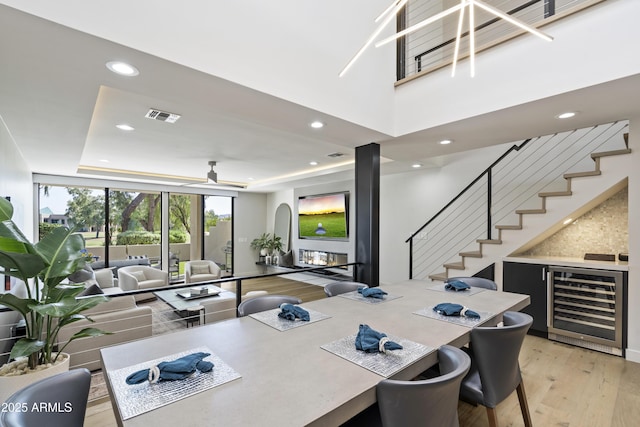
pixel 395 7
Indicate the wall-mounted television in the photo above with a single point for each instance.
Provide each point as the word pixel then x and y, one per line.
pixel 324 216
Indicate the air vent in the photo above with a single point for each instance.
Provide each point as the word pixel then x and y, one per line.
pixel 162 116
pixel 335 155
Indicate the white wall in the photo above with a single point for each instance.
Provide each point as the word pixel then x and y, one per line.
pixel 15 181
pixel 249 222
pixel 600 39
pixel 410 199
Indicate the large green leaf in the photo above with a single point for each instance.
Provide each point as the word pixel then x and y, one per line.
pixel 68 306
pixel 21 305
pixel 89 332
pixel 61 250
pixel 21 265
pixel 25 347
pixel 64 290
pixel 6 209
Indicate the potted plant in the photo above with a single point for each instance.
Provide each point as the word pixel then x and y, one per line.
pixel 275 245
pixel 262 243
pixel 49 304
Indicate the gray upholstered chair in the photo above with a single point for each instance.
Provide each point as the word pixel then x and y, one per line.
pixel 476 282
pixel 67 392
pixel 201 271
pixel 265 302
pixel 430 402
pixel 336 288
pixel 495 372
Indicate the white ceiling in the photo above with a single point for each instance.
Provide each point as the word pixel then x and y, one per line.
pixel 61 104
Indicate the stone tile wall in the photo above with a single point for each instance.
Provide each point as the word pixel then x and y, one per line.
pixel 602 230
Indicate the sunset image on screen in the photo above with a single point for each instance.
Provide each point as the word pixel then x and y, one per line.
pixel 323 216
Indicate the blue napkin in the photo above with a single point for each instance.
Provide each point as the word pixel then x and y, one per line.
pixel 175 370
pixel 456 285
pixel 452 309
pixel 372 292
pixel 372 341
pixel 291 312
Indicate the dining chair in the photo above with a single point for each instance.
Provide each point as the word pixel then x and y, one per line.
pixel 336 288
pixel 430 402
pixel 265 302
pixel 56 401
pixel 495 371
pixel 476 282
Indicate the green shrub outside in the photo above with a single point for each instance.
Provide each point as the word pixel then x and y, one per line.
pixel 177 236
pixel 45 228
pixel 137 238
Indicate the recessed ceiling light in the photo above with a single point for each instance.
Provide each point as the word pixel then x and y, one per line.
pixel 416 165
pixel 317 124
pixel 104 160
pixel 313 163
pixel 125 127
pixel 122 68
pixel 567 221
pixel 445 142
pixel 566 115
pixel 251 178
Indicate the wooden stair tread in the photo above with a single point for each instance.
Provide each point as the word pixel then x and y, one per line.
pixel 509 227
pixel 490 242
pixel 610 153
pixel 473 254
pixel 582 174
pixel 555 193
pixel 530 211
pixel 438 276
pixel 455 266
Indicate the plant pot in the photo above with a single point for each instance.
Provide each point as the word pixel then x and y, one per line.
pixel 263 252
pixel 13 383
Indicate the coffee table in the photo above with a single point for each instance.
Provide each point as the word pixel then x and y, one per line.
pixel 213 305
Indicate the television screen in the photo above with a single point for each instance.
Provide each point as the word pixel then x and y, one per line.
pixel 324 216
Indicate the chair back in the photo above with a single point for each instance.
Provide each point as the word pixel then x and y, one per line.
pixel 432 402
pixel 62 400
pixel 495 354
pixel 336 288
pixel 264 303
pixel 477 282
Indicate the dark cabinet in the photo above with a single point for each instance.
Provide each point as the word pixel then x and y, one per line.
pixel 529 279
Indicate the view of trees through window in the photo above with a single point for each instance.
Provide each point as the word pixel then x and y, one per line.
pixel 135 224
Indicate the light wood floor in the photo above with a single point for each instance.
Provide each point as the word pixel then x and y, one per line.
pixel 566 386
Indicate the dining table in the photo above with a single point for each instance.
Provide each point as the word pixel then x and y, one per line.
pixel 307 373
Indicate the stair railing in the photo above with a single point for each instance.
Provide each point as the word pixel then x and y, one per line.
pixel 509 183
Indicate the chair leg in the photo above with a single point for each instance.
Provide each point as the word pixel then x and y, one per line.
pixel 524 406
pixel 492 414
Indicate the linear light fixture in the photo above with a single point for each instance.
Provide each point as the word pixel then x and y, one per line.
pixel 392 11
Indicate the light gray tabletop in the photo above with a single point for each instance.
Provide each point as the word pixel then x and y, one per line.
pixel 287 379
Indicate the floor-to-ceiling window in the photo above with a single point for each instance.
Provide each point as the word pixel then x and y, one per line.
pixel 217 231
pixel 125 223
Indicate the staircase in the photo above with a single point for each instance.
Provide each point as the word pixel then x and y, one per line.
pixel 525 221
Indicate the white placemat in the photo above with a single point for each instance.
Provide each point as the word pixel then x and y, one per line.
pixel 460 320
pixel 384 364
pixel 440 287
pixel 357 296
pixel 270 317
pixel 137 399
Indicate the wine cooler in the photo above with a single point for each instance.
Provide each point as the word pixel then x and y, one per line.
pixel 586 308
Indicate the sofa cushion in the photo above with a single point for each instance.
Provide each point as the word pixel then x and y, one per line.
pixel 84 275
pixel 139 275
pixel 199 269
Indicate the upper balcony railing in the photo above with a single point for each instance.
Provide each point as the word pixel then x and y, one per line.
pixel 432 47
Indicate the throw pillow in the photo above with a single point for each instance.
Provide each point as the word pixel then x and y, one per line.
pixel 286 259
pixel 199 269
pixel 91 290
pixel 139 275
pixel 83 275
